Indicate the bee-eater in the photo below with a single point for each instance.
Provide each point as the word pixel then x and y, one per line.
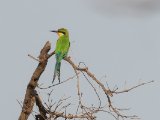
pixel 61 51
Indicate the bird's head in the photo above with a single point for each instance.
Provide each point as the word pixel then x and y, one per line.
pixel 61 32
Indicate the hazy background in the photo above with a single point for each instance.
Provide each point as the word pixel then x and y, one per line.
pixel 116 38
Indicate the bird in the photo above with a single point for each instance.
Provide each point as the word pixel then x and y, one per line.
pixel 61 50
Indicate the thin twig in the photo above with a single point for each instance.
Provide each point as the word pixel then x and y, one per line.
pixel 127 90
pixel 107 91
pixel 70 78
pixel 94 90
pixel 33 58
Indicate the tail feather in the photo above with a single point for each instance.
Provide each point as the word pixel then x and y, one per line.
pixel 57 71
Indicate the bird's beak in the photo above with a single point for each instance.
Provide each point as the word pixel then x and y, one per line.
pixel 54 31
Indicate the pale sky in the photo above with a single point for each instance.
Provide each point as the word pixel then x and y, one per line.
pixel 119 41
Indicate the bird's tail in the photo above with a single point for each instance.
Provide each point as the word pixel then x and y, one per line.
pixel 57 71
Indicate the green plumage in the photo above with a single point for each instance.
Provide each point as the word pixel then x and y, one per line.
pixel 61 51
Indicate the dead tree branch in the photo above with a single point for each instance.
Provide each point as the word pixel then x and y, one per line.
pixel 29 99
pixel 31 96
pixel 43 111
pixel 134 87
pixel 107 91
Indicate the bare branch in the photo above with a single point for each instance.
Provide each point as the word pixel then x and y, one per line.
pixel 58 109
pixel 52 53
pixel 129 89
pixel 70 78
pixel 70 116
pixel 94 90
pixel 33 58
pixel 107 92
pixel 29 99
pixel 43 111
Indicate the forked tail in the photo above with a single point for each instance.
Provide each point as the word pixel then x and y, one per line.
pixel 57 71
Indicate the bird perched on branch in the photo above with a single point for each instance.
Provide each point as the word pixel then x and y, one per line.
pixel 61 51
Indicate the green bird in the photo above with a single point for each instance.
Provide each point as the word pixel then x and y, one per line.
pixel 61 51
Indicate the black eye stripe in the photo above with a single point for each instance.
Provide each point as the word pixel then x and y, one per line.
pixel 63 33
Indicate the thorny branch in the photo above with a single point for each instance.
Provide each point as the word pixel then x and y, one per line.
pixel 46 113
